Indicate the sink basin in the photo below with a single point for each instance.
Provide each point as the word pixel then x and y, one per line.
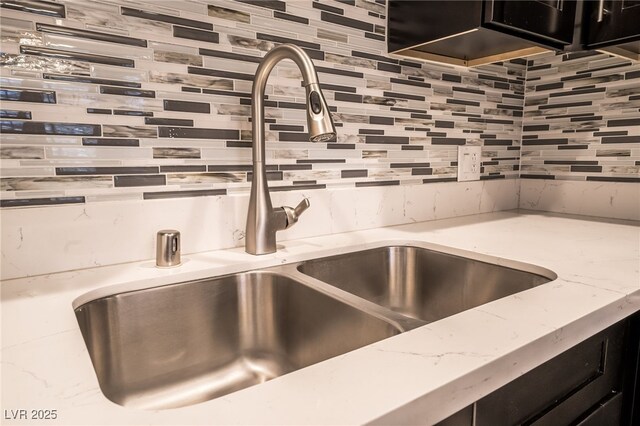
pixel 180 344
pixel 421 283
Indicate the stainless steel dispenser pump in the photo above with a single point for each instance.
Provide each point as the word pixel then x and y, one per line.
pixel 263 221
pixel 168 248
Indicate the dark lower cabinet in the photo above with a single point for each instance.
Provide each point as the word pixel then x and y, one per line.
pixel 607 413
pixel 594 383
pixel 631 371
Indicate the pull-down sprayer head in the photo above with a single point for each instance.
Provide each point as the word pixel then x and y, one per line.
pixel 320 125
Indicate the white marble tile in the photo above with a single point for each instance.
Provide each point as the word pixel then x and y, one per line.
pixel 97 153
pixel 604 199
pixel 82 236
pixel 26 171
pixel 105 71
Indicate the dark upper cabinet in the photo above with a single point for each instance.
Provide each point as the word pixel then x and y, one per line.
pixel 548 22
pixel 612 23
pixel 476 31
pixel 483 31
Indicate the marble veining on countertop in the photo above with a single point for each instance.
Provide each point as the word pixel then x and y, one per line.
pixel 422 375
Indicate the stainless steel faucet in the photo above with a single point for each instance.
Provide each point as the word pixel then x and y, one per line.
pixel 263 221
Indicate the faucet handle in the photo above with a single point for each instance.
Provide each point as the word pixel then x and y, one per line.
pixel 302 206
pixel 294 214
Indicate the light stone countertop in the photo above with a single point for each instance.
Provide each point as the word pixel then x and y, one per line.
pixel 422 375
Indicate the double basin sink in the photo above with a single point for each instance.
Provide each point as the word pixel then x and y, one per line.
pixel 180 344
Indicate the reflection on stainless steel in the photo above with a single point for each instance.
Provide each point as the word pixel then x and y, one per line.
pixel 418 282
pixel 263 221
pixel 185 343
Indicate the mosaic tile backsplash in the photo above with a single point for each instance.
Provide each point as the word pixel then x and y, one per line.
pixel 122 100
pixel 581 118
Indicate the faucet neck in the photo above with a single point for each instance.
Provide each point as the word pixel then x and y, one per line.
pixel 270 60
pixel 263 221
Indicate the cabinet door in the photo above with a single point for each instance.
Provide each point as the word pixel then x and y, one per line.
pixel 609 22
pixel 597 382
pixel 561 390
pixel 548 22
